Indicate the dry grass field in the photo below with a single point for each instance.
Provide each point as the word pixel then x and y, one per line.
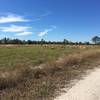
pixel 35 72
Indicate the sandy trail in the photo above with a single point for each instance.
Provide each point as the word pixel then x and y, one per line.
pixel 86 89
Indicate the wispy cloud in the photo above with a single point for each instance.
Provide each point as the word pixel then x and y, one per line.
pixel 23 33
pixel 37 19
pixel 45 14
pixel 12 18
pixel 18 30
pixel 53 26
pixel 14 28
pixel 42 16
pixel 46 31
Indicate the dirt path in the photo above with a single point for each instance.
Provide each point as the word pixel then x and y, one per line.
pixel 86 89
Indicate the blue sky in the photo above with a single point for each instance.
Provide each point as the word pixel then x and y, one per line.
pixel 75 20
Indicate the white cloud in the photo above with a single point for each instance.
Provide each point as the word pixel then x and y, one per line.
pixel 47 30
pixel 14 28
pixel 19 30
pixel 12 18
pixel 23 33
pixel 44 32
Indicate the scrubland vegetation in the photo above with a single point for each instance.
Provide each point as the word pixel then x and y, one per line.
pixel 38 72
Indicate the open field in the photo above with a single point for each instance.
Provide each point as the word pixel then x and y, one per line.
pixel 11 56
pixel 35 72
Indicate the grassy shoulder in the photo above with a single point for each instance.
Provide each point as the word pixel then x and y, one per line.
pixel 42 83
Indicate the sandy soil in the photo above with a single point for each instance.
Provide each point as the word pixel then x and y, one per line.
pixel 86 89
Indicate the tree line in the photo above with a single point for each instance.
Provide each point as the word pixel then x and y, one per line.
pixel 95 40
pixel 42 41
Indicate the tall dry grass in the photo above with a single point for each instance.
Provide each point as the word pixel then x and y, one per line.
pixel 25 83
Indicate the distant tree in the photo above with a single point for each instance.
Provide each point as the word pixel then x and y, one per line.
pixel 80 43
pixel 65 41
pixel 16 41
pixel 24 42
pixel 76 43
pixel 29 42
pixel 96 39
pixel 42 41
pixel 86 43
pixel 5 40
